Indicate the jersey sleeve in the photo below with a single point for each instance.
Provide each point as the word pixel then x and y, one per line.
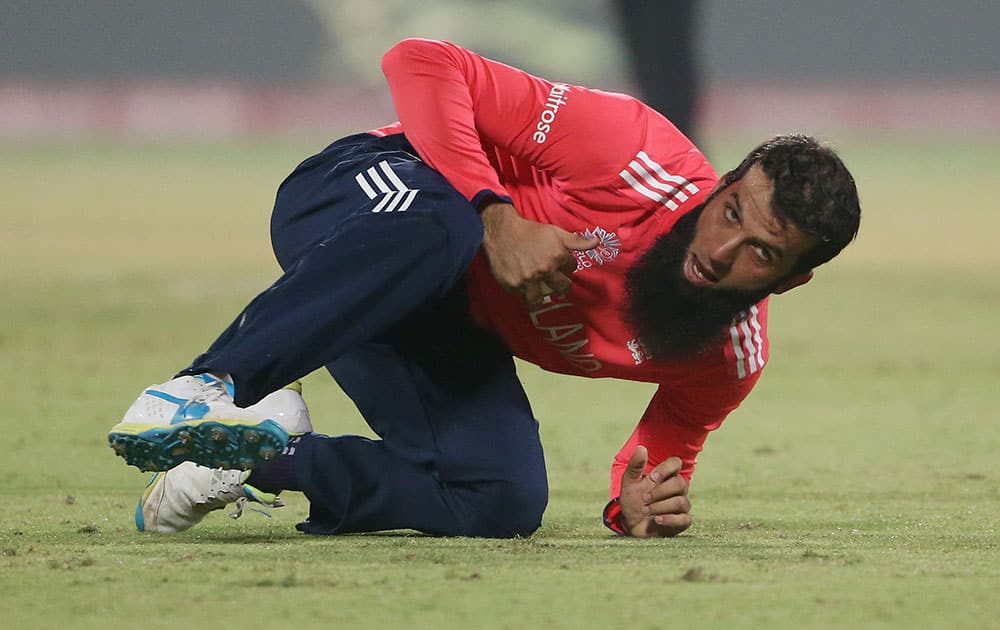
pixel 676 424
pixel 452 102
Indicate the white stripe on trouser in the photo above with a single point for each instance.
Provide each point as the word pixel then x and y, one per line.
pixel 395 199
pixel 365 186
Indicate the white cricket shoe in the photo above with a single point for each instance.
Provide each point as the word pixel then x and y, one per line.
pixel 181 497
pixel 286 407
pixel 194 418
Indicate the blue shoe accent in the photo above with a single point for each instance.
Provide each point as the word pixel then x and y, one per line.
pixel 186 409
pixel 212 380
pixel 213 443
pixel 140 522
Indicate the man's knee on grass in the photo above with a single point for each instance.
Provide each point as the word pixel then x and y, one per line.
pixel 502 509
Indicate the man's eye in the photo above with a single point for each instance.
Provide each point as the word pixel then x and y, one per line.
pixel 763 254
pixel 731 215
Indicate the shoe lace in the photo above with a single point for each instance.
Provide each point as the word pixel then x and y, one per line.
pixel 238 508
pixel 213 392
pixel 224 487
pixel 244 503
pixel 251 495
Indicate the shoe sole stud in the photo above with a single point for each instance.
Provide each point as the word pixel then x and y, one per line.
pixel 213 443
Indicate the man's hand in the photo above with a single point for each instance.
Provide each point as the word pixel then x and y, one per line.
pixel 655 504
pixel 531 258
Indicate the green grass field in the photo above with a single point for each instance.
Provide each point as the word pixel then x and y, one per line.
pixel 857 487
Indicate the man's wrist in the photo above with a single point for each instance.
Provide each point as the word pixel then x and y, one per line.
pixel 497 210
pixel 497 217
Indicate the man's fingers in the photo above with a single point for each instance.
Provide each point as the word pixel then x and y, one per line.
pixel 674 505
pixel 672 487
pixel 534 292
pixel 667 468
pixel 672 524
pixel 557 282
pixel 636 464
pixel 578 243
pixel 567 264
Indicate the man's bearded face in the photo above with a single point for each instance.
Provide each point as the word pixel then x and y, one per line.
pixel 673 317
pixel 719 259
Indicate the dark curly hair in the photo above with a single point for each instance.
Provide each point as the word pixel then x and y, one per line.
pixel 812 189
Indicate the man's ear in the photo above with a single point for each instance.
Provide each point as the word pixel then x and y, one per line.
pixel 790 283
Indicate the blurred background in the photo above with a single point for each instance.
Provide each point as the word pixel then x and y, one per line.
pixel 141 143
pixel 222 68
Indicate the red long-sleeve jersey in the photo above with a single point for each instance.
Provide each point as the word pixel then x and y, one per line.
pixel 591 162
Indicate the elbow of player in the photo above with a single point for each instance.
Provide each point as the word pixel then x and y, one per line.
pixel 407 51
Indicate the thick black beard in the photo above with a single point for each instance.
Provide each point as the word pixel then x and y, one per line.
pixel 674 318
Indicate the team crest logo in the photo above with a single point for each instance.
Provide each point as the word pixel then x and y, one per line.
pixel 606 250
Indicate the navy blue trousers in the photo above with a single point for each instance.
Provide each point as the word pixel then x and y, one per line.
pixel 374 246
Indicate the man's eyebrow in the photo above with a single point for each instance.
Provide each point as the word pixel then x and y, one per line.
pixel 736 202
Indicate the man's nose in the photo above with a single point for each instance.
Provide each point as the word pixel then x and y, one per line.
pixel 724 254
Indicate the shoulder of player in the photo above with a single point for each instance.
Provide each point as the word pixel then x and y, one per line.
pixel 642 160
pixel 745 345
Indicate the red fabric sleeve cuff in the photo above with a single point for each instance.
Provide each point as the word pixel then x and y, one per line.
pixel 612 512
